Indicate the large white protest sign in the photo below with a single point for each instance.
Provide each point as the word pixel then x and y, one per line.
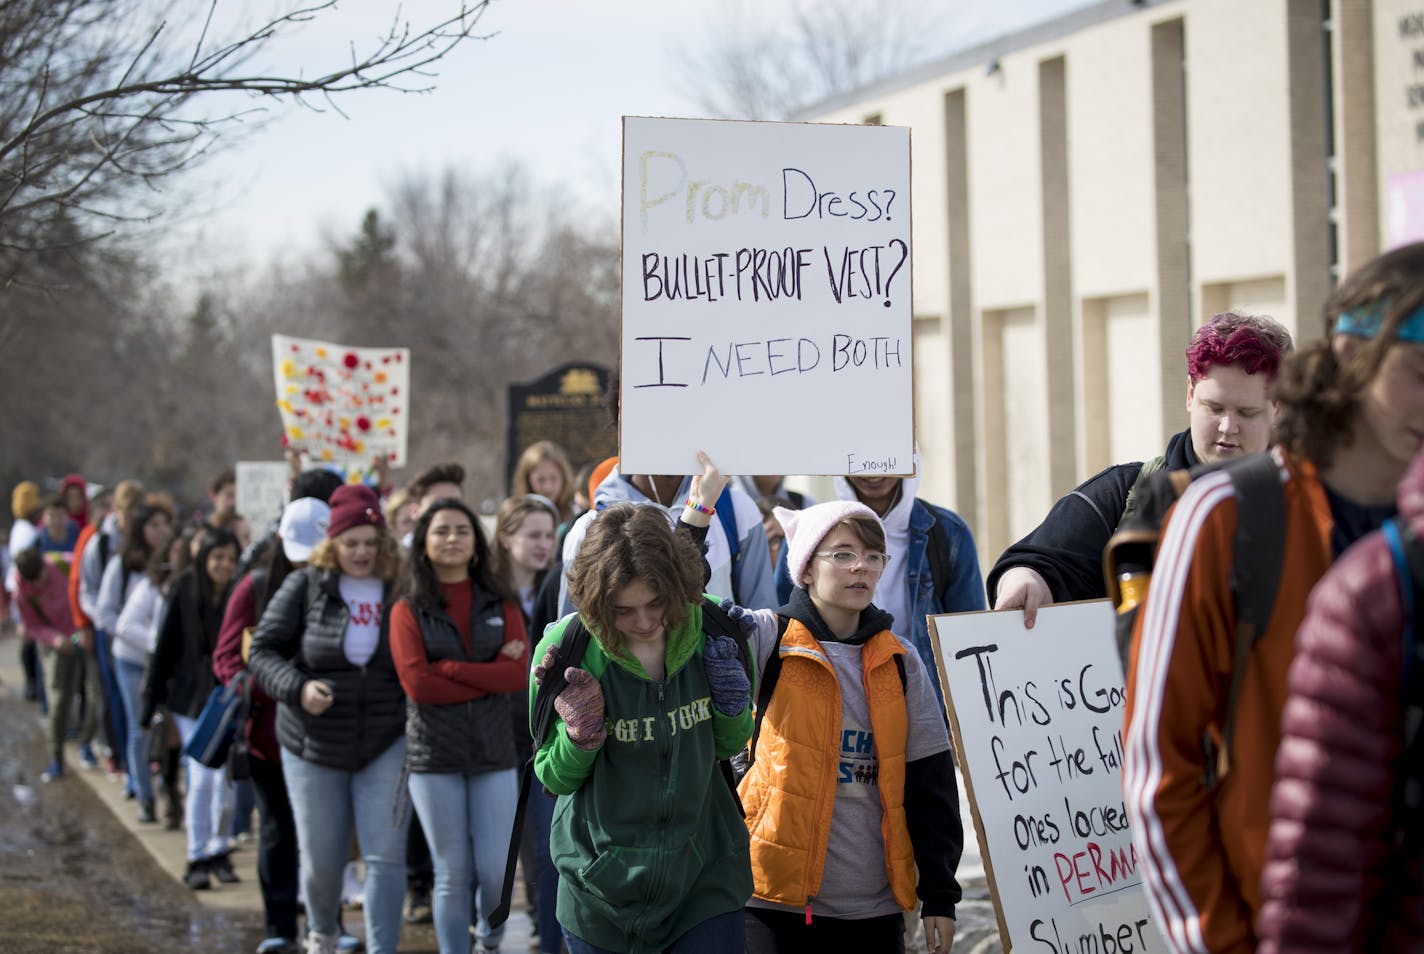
pixel 1037 720
pixel 342 405
pixel 261 491
pixel 766 298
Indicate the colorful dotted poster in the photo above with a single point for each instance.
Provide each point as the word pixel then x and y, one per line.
pixel 342 405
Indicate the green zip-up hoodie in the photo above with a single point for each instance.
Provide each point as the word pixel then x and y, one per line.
pixel 647 837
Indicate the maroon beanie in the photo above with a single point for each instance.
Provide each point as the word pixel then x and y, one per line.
pixel 354 505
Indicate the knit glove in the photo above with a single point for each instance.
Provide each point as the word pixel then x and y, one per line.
pixel 741 616
pixel 542 667
pixel 731 689
pixel 580 705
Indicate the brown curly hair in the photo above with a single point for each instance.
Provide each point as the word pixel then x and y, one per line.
pixel 1318 394
pixel 388 556
pixel 630 543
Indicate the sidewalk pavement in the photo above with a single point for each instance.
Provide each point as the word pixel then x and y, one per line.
pixel 169 848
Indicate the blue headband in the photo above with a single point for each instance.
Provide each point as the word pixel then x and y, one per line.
pixel 1365 322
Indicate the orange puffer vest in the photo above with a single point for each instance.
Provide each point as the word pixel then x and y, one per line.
pixel 790 790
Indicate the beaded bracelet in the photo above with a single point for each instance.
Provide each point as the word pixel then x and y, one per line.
pixel 701 509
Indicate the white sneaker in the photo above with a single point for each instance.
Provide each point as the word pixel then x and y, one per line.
pixel 353 893
pixel 321 943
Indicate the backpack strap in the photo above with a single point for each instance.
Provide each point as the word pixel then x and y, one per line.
pixel 572 645
pixel 937 550
pixel 1143 475
pixel 727 513
pixel 1257 551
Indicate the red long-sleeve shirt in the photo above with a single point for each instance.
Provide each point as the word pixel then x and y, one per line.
pixel 448 681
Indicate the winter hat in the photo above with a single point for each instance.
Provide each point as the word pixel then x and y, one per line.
pixel 74 480
pixel 303 525
pixel 354 505
pixel 805 529
pixel 24 499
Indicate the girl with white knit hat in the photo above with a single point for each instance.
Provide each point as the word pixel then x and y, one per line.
pixel 850 799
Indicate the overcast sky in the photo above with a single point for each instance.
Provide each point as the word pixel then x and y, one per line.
pixel 547 89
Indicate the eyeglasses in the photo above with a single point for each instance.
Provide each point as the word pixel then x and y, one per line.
pixel 846 559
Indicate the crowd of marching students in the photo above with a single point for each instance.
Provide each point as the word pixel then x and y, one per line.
pixel 684 657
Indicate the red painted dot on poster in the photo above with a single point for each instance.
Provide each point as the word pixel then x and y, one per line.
pixel 296 349
pixel 386 359
pixel 395 410
pixel 398 357
pixel 368 366
pixel 364 423
pixel 351 360
pixel 395 391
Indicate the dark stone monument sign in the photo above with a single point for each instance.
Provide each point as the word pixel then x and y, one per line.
pixel 564 406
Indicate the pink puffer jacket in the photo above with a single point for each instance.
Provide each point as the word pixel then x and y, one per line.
pixel 1342 732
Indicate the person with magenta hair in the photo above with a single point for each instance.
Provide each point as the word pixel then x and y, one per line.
pixel 1232 361
pixel 1349 421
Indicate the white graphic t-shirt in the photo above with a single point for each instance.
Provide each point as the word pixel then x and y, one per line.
pixel 363 632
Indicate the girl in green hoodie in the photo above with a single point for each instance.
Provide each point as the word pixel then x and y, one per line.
pixel 647 837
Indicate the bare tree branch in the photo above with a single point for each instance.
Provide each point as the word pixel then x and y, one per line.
pixel 96 108
pixel 755 68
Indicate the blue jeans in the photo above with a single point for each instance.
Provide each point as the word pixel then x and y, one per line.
pixel 113 703
pixel 328 805
pixel 207 807
pixel 722 934
pixel 130 679
pixel 468 820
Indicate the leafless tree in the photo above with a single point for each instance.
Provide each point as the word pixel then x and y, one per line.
pixel 755 66
pixel 100 100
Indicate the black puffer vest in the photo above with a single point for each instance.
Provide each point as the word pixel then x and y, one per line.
pixel 463 737
pixel 300 637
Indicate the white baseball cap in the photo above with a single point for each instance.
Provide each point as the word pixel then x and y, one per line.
pixel 302 527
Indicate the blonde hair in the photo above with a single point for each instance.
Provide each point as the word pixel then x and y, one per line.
pixel 536 454
pixel 512 514
pixel 388 555
pixel 394 504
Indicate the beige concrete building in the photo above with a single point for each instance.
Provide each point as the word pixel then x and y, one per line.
pixel 1088 190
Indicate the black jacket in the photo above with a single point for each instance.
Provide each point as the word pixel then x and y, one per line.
pixel 1067 548
pixel 462 737
pixel 180 674
pixel 300 637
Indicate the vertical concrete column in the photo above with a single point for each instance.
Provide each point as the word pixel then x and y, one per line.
pixel 1058 335
pixel 1307 56
pixel 961 310
pixel 1170 181
pixel 1357 161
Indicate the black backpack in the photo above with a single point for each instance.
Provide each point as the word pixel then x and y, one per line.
pixel 569 651
pixel 1257 550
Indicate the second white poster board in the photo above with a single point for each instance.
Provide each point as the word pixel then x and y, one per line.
pixel 766 298
pixel 1037 720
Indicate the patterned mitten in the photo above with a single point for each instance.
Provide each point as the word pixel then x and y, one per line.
pixel 731 689
pixel 741 616
pixel 580 705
